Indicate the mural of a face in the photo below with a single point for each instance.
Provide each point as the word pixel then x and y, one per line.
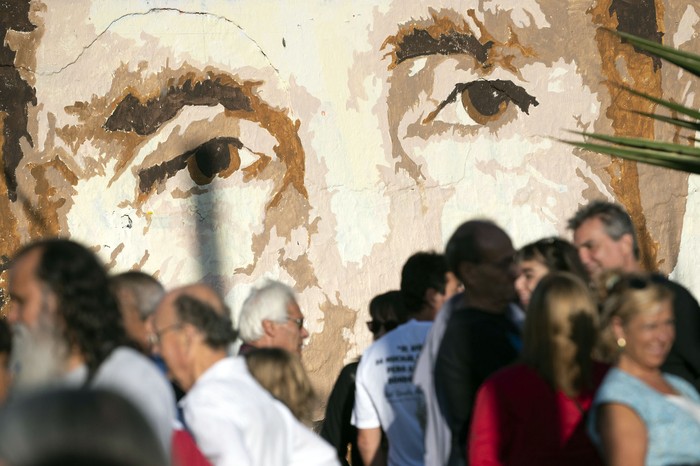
pixel 167 151
pixel 324 144
pixel 473 94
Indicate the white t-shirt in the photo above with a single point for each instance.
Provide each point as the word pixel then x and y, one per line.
pixel 236 422
pixel 385 395
pixel 438 437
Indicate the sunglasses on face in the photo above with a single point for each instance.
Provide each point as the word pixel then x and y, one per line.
pixel 375 326
pixel 636 283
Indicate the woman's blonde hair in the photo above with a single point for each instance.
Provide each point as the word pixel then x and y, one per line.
pixel 282 374
pixel 625 296
pixel 561 328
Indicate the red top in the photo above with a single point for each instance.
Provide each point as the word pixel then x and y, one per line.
pixel 520 420
pixel 185 451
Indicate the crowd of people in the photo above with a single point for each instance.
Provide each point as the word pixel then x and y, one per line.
pixel 555 354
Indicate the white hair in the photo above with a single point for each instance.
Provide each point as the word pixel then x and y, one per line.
pixel 268 302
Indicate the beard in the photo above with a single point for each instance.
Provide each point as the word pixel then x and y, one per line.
pixel 39 356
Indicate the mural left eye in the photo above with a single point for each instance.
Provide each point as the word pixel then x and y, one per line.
pixel 486 100
pixel 218 156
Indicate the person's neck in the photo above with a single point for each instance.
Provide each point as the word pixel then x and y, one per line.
pixel 427 314
pixel 206 359
pixel 652 376
pixel 75 359
pixel 632 266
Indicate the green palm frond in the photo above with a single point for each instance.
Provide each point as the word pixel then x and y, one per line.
pixel 664 154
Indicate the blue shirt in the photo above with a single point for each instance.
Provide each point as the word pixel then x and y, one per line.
pixel 673 434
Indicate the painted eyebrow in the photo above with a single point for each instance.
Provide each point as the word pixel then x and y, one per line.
pixel 145 118
pixel 419 42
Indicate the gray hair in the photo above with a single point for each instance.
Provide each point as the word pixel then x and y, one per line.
pixel 268 302
pixel 615 219
pixel 146 290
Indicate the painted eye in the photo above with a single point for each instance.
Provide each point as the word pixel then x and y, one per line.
pixel 486 100
pixel 218 156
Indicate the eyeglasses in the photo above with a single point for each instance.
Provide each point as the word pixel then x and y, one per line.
pixel 155 337
pixel 299 321
pixel 375 326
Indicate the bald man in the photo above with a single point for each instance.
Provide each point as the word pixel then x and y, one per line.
pixel 233 419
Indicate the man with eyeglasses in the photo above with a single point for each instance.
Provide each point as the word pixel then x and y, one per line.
pixel 606 240
pixel 234 420
pixel 271 318
pixel 386 398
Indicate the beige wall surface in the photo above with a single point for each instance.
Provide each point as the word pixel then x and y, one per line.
pixel 321 142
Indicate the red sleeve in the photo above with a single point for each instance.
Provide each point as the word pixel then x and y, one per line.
pixel 490 430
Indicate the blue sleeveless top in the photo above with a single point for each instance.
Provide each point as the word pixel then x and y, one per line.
pixel 673 434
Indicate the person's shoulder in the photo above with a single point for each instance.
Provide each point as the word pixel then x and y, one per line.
pixel 512 375
pixel 619 386
pixel 682 386
pixel 679 290
pixel 131 364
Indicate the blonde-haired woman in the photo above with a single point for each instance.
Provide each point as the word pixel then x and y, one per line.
pixel 642 416
pixel 532 413
pixel 282 374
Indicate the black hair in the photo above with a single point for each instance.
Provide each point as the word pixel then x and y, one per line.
pixel 85 303
pixel 462 245
pixel 421 272
pixel 384 305
pixel 5 337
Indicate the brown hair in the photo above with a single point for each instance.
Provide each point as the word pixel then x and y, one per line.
pixel 560 332
pixel 281 373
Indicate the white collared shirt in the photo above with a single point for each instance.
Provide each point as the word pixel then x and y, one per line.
pixel 237 422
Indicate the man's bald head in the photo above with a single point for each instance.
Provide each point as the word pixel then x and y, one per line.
pixel 465 244
pixel 205 294
pixel 202 307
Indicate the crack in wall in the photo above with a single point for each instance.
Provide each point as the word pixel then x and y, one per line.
pixel 146 13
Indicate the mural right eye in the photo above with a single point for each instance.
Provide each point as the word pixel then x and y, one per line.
pixel 486 100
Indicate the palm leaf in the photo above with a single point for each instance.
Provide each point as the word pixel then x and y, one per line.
pixel 663 154
pixel 659 158
pixel 686 60
pixel 694 125
pixel 666 147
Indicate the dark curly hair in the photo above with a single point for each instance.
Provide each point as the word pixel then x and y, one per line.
pixel 86 305
pixel 216 327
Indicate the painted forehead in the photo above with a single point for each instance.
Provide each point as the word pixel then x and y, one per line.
pixel 152 73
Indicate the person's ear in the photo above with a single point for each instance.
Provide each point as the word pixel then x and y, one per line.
pixel 466 272
pixel 628 242
pixel 432 297
pixel 268 327
pixel 617 327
